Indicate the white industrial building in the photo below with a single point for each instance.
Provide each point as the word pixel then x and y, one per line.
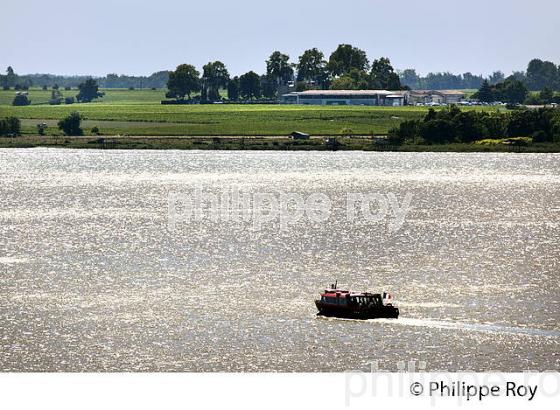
pixel 436 96
pixel 346 97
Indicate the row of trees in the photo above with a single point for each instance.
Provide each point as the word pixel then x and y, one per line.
pixel 514 91
pixel 21 82
pixel 347 68
pixel 511 91
pixel 70 125
pixel 455 125
pixel 88 91
pixel 539 75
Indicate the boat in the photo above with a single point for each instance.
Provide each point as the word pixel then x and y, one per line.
pixel 347 304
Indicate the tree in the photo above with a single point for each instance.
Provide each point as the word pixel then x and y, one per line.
pixel 353 80
pixel 183 81
pixel 21 99
pixel 345 58
pixel 233 89
pixel 71 124
pixel 268 86
pixel 512 91
pixel 88 91
pixel 10 126
pixel 383 76
pixel 56 97
pixel 11 77
pixel 546 95
pixel 485 92
pixel 542 74
pixel 250 85
pixel 214 76
pixel 278 67
pixel 312 67
pixel 496 77
pixel 410 79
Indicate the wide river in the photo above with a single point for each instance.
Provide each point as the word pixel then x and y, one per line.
pixel 95 277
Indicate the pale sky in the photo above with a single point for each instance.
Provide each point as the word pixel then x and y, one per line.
pixel 139 37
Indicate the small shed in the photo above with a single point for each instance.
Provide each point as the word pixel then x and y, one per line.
pixel 297 135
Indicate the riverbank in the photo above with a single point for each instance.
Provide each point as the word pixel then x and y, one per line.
pixel 275 143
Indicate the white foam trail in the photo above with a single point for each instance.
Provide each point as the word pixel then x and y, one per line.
pixel 475 327
pixel 8 260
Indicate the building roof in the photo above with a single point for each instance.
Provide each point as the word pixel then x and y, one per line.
pixel 341 93
pixel 442 92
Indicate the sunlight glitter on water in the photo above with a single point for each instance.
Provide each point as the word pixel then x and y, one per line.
pixel 91 278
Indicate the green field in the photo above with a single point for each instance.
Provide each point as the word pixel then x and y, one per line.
pixel 139 112
pixel 112 96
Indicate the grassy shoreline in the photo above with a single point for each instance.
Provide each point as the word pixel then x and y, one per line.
pixel 275 143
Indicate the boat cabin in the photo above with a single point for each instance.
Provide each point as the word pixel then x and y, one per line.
pixel 346 298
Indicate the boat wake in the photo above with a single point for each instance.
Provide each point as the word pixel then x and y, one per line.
pixel 474 327
pixel 462 326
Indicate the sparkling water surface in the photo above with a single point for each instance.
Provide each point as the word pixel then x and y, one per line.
pixel 93 278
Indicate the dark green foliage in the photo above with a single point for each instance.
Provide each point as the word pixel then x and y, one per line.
pixel 10 126
pixel 214 76
pixel 312 68
pixel 546 95
pixel 511 91
pixel 438 131
pixel 452 125
pixel 407 130
pixel 383 76
pixel 21 99
pixel 182 82
pixel 346 58
pixel 485 92
pixel 541 74
pixel 540 136
pixel 71 124
pixel 555 128
pixel 353 80
pixel 250 85
pixel 268 86
pixel 11 77
pixel 88 91
pixel 56 97
pixel 525 123
pixel 95 131
pixel 233 89
pixel 69 100
pixel 279 68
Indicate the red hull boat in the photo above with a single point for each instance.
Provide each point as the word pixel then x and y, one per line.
pixel 355 305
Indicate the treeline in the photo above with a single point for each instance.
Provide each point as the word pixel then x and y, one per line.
pixel 539 75
pixel 11 80
pixel 87 92
pixel 513 91
pixel 347 67
pixel 452 124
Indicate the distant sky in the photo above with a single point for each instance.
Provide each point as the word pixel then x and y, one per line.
pixel 140 37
